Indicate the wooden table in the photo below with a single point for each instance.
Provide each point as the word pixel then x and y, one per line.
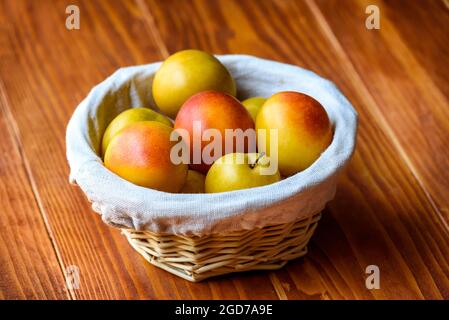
pixel 391 208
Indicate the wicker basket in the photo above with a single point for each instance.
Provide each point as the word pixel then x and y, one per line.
pixel 198 258
pixel 203 235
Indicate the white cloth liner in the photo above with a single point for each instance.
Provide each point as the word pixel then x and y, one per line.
pixel 123 204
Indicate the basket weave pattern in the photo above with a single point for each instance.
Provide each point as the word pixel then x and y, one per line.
pixel 197 258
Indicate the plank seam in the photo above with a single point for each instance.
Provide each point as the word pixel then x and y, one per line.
pixel 277 284
pixel 13 128
pixel 370 101
pixel 151 25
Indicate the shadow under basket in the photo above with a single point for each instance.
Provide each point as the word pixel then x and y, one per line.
pixel 197 258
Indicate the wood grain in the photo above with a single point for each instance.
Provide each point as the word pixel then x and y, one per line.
pixel 29 267
pixel 391 206
pixel 400 65
pixel 424 32
pixel 380 214
pixel 55 68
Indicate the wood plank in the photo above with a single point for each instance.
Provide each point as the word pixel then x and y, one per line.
pixel 424 30
pixel 401 65
pixel 28 263
pixel 380 214
pixel 49 71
